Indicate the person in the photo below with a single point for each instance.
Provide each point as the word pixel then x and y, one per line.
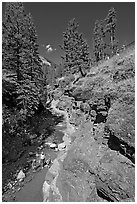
pixel 42 158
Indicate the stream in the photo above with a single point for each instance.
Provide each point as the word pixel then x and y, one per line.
pixel 31 191
pixel 50 189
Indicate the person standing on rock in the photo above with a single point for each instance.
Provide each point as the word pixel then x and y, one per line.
pixel 42 158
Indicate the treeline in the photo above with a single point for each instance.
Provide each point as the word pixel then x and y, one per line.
pixel 23 81
pixel 105 28
pixel 77 58
pixel 23 78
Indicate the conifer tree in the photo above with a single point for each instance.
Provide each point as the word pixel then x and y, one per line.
pixel 98 41
pixel 76 57
pixel 20 57
pixel 110 27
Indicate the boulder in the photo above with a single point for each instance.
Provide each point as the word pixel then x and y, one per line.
pixel 61 146
pixel 20 175
pixel 91 172
pixel 55 167
pixel 115 177
pixel 53 146
pixel 46 188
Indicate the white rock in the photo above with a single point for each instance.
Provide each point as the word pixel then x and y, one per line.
pixel 46 188
pixel 55 167
pixel 53 145
pixel 59 124
pixel 48 143
pixel 20 175
pixel 61 146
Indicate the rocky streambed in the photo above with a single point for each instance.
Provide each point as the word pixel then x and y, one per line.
pixel 51 191
pixel 84 168
pixel 30 189
pixel 87 170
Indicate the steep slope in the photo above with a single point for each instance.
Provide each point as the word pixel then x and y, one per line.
pixel 99 164
pixel 109 90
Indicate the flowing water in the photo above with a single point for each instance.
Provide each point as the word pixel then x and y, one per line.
pixel 32 191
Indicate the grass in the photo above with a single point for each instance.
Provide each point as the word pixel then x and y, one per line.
pixel 113 79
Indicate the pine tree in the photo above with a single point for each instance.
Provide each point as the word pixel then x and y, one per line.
pixel 111 21
pixel 20 56
pixel 76 57
pixel 98 41
pixel 12 38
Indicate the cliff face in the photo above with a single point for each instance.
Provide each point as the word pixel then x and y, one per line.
pixel 98 164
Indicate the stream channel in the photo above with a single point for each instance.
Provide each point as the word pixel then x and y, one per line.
pixel 32 188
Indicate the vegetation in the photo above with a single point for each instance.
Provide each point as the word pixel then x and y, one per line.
pixel 110 28
pixel 103 48
pixel 76 59
pixel 22 73
pixel 23 79
pixel 99 44
pixel 110 91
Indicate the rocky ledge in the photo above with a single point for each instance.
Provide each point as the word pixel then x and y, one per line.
pixel 88 170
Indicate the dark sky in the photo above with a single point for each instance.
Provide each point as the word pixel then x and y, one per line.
pixel 51 19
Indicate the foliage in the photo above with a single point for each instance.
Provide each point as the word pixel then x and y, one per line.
pixel 102 48
pixel 110 27
pixel 76 57
pixel 116 83
pixel 23 81
pixel 99 44
pixel 21 63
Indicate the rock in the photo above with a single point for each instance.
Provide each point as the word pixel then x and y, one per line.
pixel 94 173
pixel 56 196
pixel 31 154
pixel 60 124
pixel 45 189
pixel 53 146
pixel 115 177
pixel 93 113
pixel 55 167
pixel 48 143
pixel 49 177
pixel 33 136
pixel 20 175
pixel 66 139
pixel 61 146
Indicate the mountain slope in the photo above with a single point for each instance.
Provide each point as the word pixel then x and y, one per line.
pixel 99 164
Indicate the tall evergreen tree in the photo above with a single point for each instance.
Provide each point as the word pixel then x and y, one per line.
pixel 76 57
pixel 98 41
pixel 20 57
pixel 111 21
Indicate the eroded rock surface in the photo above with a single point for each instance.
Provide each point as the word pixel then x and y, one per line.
pixel 97 164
